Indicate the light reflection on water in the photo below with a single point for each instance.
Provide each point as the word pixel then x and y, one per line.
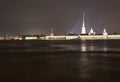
pixel 83 46
pixel 90 66
pixel 84 62
pixel 60 67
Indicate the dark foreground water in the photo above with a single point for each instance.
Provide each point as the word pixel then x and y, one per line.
pixel 60 61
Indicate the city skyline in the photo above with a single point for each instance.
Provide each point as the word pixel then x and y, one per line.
pixel 36 17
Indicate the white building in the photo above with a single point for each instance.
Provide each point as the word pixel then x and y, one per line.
pixel 91 32
pixel 105 32
pixel 31 38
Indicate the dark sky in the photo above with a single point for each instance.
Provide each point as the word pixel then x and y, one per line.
pixel 38 16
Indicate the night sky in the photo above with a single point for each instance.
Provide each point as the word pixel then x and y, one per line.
pixel 64 16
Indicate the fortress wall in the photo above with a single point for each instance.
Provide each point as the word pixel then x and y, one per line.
pixel 113 37
pixel 97 37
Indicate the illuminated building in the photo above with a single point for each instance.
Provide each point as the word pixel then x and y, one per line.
pixel 91 32
pixel 105 32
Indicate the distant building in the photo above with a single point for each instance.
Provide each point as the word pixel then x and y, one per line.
pixel 31 38
pixel 105 32
pixel 2 38
pixel 51 33
pixel 18 38
pixel 91 32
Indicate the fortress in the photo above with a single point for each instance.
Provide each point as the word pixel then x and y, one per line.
pixel 83 36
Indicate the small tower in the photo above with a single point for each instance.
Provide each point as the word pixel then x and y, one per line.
pixel 51 33
pixel 105 32
pixel 83 26
pixel 91 32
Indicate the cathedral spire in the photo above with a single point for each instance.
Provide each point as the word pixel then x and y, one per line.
pixel 83 19
pixel 83 25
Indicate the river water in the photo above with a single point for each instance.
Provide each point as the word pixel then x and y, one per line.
pixel 60 61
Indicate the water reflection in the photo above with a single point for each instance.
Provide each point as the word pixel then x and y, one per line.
pixel 105 48
pixel 84 66
pixel 91 46
pixel 83 46
pixel 93 65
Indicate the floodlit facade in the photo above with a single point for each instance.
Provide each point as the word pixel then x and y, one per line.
pixel 30 38
pixel 105 32
pixel 17 38
pixel 91 32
